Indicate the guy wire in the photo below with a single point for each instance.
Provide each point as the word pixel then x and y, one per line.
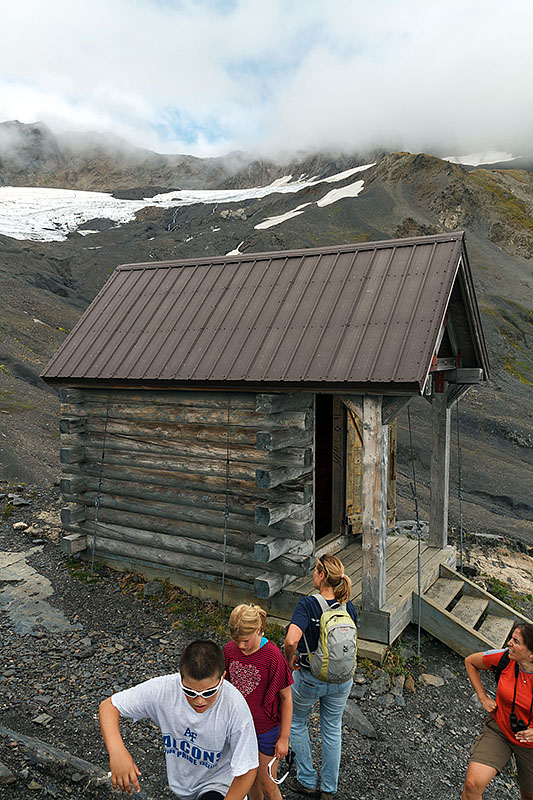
pixel 459 487
pixel 226 509
pixel 419 562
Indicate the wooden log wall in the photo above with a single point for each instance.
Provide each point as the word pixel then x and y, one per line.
pixel 167 490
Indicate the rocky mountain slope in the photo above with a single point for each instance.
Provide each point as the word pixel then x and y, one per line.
pixel 44 286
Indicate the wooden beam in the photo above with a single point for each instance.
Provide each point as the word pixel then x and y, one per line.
pixel 270 513
pixel 354 402
pixel 392 407
pixel 440 470
pixel 284 437
pixel 73 513
pixel 274 403
pixel 268 478
pixel 73 543
pixel 465 375
pixel 71 455
pixel 74 484
pixel 73 424
pixel 269 584
pixel 270 548
pixel 374 513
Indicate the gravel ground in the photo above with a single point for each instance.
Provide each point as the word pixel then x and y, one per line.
pixel 418 740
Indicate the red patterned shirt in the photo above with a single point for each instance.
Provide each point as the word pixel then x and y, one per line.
pixel 259 677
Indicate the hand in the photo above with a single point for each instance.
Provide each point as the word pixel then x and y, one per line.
pixel 124 772
pixel 282 747
pixel 525 736
pixel 488 704
pixel 294 662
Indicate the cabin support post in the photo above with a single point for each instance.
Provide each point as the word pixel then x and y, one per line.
pixel 440 469
pixel 374 512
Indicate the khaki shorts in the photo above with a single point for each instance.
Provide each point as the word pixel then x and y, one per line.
pixel 494 749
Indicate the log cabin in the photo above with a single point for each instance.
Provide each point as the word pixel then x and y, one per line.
pixel 226 420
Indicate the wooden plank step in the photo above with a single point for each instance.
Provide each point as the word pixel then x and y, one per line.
pixel 443 591
pixel 496 629
pixel 469 609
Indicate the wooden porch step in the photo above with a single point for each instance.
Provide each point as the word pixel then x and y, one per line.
pixel 443 591
pixel 469 609
pixel 496 629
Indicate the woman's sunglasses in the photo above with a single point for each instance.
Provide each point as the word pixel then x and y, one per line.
pixel 205 694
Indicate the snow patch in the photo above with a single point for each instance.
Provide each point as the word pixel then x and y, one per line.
pixel 352 190
pixel 269 222
pixel 237 251
pixel 340 176
pixel 477 159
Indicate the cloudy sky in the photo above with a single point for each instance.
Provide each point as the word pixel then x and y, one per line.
pixel 210 76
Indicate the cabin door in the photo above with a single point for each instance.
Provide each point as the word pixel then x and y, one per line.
pixel 330 483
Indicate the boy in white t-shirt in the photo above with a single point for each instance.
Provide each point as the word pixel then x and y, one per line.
pixel 208 731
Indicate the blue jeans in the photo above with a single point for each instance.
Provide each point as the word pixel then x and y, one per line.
pixel 306 690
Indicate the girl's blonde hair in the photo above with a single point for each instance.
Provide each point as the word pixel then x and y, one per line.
pixel 245 620
pixel 333 569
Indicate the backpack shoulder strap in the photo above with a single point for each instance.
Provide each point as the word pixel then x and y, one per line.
pixel 322 602
pixel 500 666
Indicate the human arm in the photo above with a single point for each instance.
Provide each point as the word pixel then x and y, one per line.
pixel 294 634
pixel 124 771
pixel 282 744
pixel 241 785
pixel 474 663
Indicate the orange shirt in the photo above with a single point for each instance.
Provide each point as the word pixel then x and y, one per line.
pixel 505 692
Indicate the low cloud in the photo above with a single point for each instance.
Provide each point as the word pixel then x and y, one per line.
pixel 211 76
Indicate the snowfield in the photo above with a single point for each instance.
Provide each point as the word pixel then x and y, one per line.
pixel 49 215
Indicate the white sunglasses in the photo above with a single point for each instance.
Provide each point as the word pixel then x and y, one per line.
pixel 269 771
pixel 205 694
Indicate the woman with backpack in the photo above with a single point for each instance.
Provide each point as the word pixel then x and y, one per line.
pixel 322 622
pixel 509 727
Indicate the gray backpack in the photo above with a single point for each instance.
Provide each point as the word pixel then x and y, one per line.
pixel 335 658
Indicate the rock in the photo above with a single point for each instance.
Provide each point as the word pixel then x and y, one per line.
pixel 447 674
pixel 359 677
pixel 397 685
pixel 409 684
pixel 17 500
pixel 430 680
pixel 399 700
pixel 386 700
pixel 6 776
pixel 408 652
pixel 355 720
pixel 359 691
pixel 153 589
pixel 42 719
pixel 19 526
pixel 381 682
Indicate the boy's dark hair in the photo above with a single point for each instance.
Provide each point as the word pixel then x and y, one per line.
pixel 202 659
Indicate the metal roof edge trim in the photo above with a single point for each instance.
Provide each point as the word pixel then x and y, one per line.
pixel 457 257
pixel 393 389
pixel 270 254
pixel 474 317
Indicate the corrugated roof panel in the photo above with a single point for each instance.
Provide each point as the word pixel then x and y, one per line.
pixel 356 314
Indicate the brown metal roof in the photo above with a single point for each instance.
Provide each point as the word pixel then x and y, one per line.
pixel 357 314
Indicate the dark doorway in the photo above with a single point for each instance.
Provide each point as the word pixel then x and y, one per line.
pixel 329 466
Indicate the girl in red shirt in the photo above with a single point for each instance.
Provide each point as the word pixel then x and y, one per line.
pixel 256 667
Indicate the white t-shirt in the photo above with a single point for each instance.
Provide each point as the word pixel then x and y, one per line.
pixel 203 751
